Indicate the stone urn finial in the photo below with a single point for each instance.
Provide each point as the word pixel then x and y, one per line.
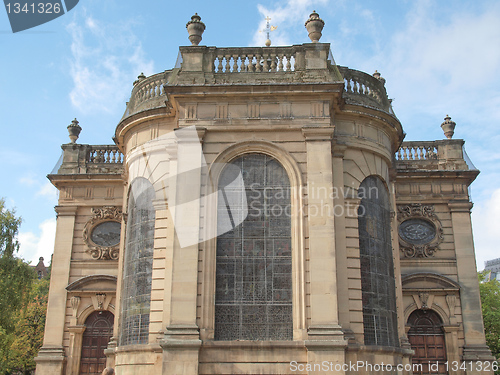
pixel 195 29
pixel 314 26
pixel 140 77
pixel 379 77
pixel 448 127
pixel 74 130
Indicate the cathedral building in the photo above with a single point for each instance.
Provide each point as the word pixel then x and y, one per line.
pixel 260 213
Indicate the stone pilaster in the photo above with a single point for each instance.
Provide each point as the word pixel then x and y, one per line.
pixel 325 337
pixel 75 349
pixel 182 342
pixel 340 240
pixel 51 358
pixel 475 343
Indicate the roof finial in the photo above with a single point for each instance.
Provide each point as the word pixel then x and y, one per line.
pixel 195 29
pixel 448 127
pixel 268 30
pixel 314 26
pixel 74 130
pixel 379 77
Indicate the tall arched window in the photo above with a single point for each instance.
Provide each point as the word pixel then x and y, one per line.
pixel 377 269
pixel 253 298
pixel 138 264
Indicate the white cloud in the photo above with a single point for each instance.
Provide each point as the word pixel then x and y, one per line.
pixel 28 180
pixel 438 65
pixel 291 14
pixel 106 59
pixel 33 246
pixel 49 191
pixel 485 225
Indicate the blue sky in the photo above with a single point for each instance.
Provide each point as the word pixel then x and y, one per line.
pixel 438 58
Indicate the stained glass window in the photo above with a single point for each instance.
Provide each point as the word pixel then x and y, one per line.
pixel 377 269
pixel 253 298
pixel 138 264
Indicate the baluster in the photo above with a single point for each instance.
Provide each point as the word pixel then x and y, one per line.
pixel 258 65
pixel 266 66
pixel 398 155
pixel 405 153
pixel 273 63
pixel 354 86
pixel 235 64
pixel 228 64
pixel 219 67
pixel 288 62
pixel 280 62
pixel 421 153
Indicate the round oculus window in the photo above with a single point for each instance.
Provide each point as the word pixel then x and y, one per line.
pixel 417 231
pixel 106 234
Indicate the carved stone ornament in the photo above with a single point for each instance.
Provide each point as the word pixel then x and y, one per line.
pixel 102 232
pixel 420 231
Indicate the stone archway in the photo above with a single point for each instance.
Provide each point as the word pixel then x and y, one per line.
pixel 98 331
pixel 426 336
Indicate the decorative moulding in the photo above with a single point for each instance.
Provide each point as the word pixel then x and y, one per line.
pixel 420 230
pixel 101 233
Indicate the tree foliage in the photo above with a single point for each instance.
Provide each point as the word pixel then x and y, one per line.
pixel 29 330
pixel 23 301
pixel 490 302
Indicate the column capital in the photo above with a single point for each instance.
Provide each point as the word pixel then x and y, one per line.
pixel 66 210
pixel 318 133
pixel 77 328
pixel 460 206
pixel 339 150
pixel 182 137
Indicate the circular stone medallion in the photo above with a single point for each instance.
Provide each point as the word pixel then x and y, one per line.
pixel 417 231
pixel 106 234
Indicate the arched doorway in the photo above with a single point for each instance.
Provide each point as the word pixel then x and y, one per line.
pixel 426 337
pixel 98 331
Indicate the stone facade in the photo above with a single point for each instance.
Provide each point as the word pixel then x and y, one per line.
pixel 332 131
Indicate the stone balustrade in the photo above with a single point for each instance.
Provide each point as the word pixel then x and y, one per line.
pixel 433 155
pixel 362 88
pixel 306 63
pixel 147 93
pixel 417 151
pixel 260 60
pixel 105 154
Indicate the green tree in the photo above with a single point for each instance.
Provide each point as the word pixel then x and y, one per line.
pixel 29 330
pixel 16 280
pixel 490 303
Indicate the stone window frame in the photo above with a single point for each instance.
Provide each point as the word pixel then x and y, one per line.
pixel 440 294
pixel 99 216
pixel 85 296
pixel 206 320
pixel 423 212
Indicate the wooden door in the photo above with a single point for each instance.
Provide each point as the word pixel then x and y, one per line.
pixel 98 331
pixel 426 337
